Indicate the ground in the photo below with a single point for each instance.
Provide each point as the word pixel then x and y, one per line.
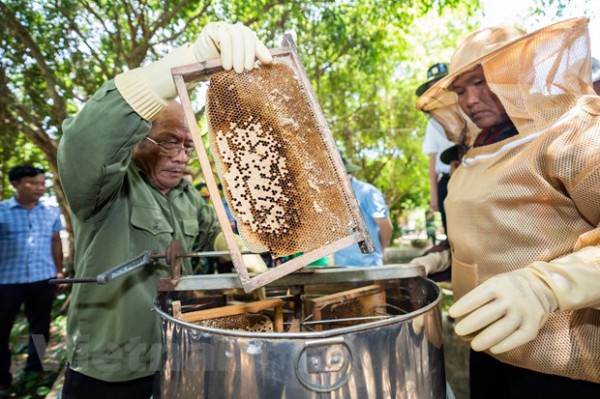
pixel 456 359
pixel 38 385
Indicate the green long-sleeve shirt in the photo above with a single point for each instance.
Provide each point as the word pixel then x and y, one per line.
pixel 112 333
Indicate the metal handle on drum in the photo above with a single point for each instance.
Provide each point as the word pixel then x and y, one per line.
pixel 145 258
pixel 324 365
pixel 172 256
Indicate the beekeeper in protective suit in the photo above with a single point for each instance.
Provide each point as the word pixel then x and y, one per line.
pixel 121 162
pixel 524 209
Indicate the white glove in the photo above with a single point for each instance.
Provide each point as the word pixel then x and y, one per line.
pixel 149 88
pixel 509 309
pixel 434 262
pixel 237 44
pixel 254 263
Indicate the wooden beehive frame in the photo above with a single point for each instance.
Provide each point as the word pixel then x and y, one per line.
pixel 370 297
pixel 232 310
pixel 201 71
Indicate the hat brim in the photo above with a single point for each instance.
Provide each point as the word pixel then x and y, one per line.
pixel 435 96
pixel 351 168
pixel 423 88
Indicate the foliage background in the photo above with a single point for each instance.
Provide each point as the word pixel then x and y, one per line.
pixel 364 59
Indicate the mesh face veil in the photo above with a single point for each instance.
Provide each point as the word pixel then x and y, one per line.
pixel 538 77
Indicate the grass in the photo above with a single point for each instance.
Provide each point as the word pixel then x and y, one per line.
pixel 30 385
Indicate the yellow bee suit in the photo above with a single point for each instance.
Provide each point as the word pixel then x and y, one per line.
pixel 535 196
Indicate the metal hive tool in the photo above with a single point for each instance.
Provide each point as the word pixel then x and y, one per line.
pixel 278 164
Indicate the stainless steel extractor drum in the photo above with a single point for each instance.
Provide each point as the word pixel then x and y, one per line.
pixel 400 356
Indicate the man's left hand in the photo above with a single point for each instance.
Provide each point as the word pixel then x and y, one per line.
pixel 509 309
pixel 506 311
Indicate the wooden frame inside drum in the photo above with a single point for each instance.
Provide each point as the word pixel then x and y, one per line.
pixel 368 298
pixel 201 71
pixel 232 310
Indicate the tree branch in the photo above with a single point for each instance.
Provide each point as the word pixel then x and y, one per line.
pixel 187 23
pixel 118 42
pixel 74 27
pixel 266 8
pixel 22 35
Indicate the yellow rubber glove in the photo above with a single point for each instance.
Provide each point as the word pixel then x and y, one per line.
pixel 254 263
pixel 509 309
pixel 148 89
pixel 434 262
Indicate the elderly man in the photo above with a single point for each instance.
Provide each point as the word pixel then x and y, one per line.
pixel 524 209
pixel 121 161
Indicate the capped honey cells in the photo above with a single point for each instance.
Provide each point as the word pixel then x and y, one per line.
pixel 273 162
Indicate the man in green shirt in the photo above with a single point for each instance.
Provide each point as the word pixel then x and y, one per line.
pixel 121 162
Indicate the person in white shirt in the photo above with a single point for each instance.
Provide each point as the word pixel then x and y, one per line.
pixel 434 143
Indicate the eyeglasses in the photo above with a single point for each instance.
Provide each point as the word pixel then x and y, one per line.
pixel 171 149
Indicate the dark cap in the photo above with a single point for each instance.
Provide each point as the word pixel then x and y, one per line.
pixel 454 153
pixel 349 166
pixel 202 189
pixel 435 72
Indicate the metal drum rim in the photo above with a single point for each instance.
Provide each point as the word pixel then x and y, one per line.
pixel 311 334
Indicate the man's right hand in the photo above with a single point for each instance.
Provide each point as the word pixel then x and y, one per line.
pixel 148 89
pixel 237 45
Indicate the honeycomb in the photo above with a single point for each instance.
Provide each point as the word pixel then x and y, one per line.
pixel 240 322
pixel 275 167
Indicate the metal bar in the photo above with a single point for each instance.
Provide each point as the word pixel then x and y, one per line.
pixel 333 321
pixel 72 280
pixel 206 254
pixel 310 276
pixel 133 264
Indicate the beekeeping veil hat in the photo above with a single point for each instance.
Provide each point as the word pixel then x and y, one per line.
pixel 538 77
